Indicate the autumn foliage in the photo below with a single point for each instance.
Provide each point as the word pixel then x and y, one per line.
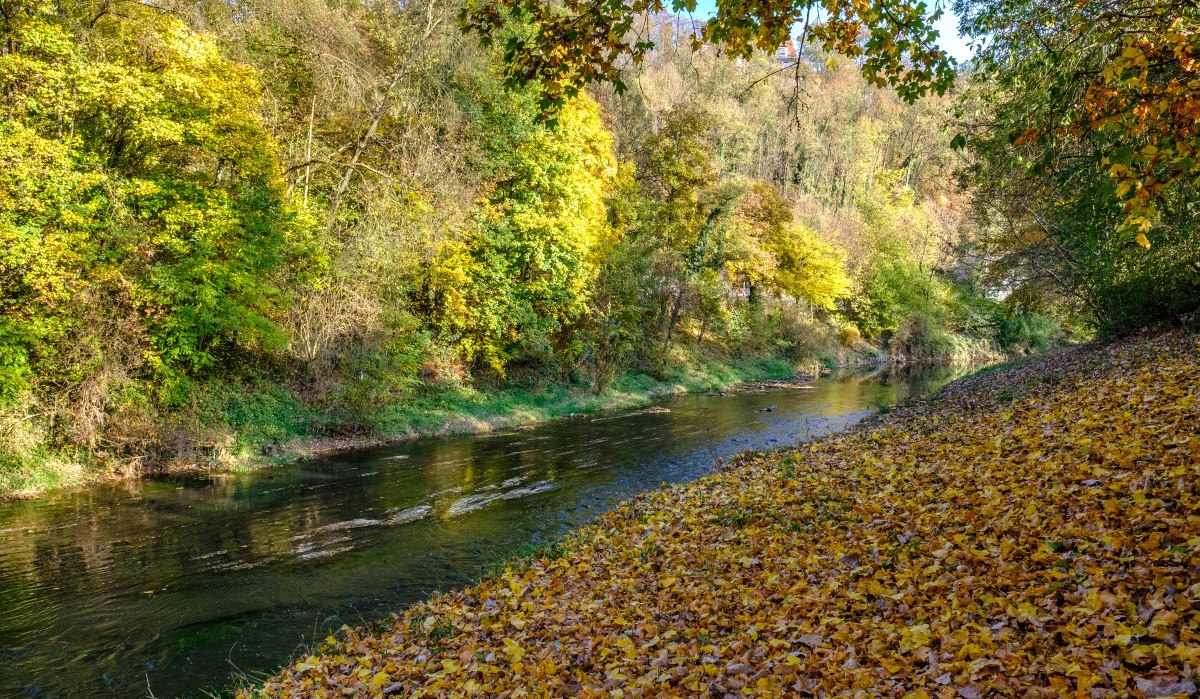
pixel 568 45
pixel 1081 118
pixel 1032 532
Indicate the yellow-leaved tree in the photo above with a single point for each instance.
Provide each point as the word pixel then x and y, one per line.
pixel 784 256
pixel 143 232
pixel 526 273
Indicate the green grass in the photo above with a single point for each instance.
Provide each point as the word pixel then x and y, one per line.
pixel 42 471
pixel 471 411
pixel 264 424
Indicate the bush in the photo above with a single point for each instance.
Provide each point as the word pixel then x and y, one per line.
pixel 374 377
pixel 920 339
pixel 895 290
pixel 849 335
pixel 1026 331
pixel 257 414
pixel 805 340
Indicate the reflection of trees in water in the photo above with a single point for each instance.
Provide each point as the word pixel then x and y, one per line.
pixel 911 379
pixel 925 379
pixel 61 564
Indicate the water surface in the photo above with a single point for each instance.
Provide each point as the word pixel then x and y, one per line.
pixel 179 586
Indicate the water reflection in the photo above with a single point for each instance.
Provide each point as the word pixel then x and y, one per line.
pixel 181 584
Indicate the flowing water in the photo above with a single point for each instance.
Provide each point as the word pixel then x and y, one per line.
pixel 179 586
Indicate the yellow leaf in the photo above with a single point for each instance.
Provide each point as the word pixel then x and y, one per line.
pixel 513 649
pixel 914 637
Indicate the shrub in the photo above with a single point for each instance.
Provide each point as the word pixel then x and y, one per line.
pixel 849 335
pixel 1027 331
pixel 920 339
pixel 805 340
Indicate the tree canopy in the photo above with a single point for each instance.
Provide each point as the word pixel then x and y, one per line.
pixel 564 46
pixel 1082 121
pixel 1115 82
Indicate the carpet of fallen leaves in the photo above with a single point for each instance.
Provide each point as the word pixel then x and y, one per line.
pixel 1032 532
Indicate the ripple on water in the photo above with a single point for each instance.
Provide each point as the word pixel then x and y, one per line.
pixel 323 553
pixel 529 490
pixel 613 417
pixel 480 500
pixel 321 549
pixel 239 565
pixel 395 517
pixel 470 503
pixel 347 525
pixel 412 514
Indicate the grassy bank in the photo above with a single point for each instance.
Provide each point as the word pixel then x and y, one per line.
pixel 245 427
pixel 1030 531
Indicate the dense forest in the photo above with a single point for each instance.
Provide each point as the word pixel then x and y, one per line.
pixel 227 225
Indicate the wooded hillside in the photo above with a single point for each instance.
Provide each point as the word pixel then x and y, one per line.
pixel 223 228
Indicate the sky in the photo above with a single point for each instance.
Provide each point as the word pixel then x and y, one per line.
pixel 950 41
pixel 947 27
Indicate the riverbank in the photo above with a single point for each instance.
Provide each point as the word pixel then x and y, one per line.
pixel 1030 530
pixel 270 429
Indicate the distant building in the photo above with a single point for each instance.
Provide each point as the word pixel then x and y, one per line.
pixel 786 53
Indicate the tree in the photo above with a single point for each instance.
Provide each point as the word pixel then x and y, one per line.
pixel 684 209
pixel 1082 121
pixel 143 230
pixel 532 262
pixel 565 46
pixel 784 256
pixel 1116 82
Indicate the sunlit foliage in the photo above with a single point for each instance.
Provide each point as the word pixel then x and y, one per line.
pixel 142 223
pixel 1117 79
pixel 566 46
pixel 531 266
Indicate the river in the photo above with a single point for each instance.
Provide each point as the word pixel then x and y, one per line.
pixel 180 586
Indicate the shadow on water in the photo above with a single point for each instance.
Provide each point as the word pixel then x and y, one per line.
pixel 183 584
